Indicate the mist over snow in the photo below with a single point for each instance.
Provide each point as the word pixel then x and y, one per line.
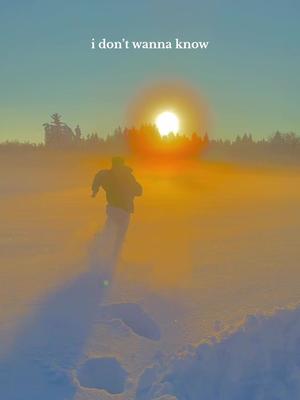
pixel 208 245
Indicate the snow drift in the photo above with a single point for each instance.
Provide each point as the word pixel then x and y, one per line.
pixel 261 360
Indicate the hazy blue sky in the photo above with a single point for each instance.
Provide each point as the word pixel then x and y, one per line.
pixel 249 74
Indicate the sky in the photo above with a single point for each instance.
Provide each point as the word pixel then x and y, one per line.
pixel 249 75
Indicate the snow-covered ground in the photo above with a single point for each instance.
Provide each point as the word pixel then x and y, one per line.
pixel 208 246
pixel 261 360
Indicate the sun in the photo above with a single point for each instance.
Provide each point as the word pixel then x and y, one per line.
pixel 167 122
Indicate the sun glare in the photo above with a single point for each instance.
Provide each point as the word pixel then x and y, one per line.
pixel 167 122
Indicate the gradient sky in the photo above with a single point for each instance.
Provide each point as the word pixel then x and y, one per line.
pixel 249 74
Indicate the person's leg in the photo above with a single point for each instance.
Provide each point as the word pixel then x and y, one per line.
pixel 103 246
pixel 120 220
pixel 106 257
pixel 121 231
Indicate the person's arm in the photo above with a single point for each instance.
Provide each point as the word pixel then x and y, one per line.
pixel 97 183
pixel 137 188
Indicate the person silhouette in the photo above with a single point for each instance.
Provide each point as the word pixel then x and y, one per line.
pixel 121 188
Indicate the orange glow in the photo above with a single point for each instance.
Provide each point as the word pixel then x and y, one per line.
pixel 149 140
pixel 175 96
pixel 146 142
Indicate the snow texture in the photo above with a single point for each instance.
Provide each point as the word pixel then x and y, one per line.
pixel 133 316
pixel 259 361
pixel 51 343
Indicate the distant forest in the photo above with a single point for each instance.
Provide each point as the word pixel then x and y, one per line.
pixel 146 141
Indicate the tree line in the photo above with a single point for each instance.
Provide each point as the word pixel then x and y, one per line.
pixel 146 141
